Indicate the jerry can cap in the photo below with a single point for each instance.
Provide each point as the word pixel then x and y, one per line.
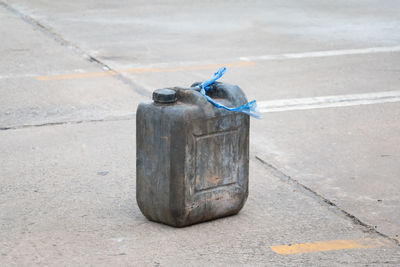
pixel 164 96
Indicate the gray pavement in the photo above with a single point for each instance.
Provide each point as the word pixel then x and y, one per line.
pixel 73 72
pixel 71 201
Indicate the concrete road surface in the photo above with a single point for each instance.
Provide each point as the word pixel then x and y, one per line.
pixel 325 158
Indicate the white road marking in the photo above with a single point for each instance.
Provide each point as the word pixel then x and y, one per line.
pixel 273 106
pixel 328 101
pixel 328 53
pixel 192 64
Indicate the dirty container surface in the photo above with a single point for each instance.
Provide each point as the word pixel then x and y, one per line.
pixel 192 159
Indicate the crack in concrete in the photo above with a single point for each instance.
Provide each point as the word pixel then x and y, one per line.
pixel 308 191
pixel 62 41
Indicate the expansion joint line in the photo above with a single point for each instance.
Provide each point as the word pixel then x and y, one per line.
pixel 131 116
pixel 308 191
pixel 62 41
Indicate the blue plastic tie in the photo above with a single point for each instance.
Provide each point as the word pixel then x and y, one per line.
pixel 249 108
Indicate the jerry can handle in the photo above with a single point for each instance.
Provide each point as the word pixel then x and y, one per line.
pixel 249 108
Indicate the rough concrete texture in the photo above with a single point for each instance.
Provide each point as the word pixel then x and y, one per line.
pixel 27 53
pixel 339 147
pixel 67 189
pixel 143 32
pixel 71 201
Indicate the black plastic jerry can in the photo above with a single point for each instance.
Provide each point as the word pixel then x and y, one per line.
pixel 192 159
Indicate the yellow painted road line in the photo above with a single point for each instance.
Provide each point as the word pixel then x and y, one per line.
pixel 76 76
pixel 144 70
pixel 327 246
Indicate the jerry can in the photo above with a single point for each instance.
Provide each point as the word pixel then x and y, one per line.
pixel 192 159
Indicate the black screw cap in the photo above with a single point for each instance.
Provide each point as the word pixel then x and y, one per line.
pixel 164 96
